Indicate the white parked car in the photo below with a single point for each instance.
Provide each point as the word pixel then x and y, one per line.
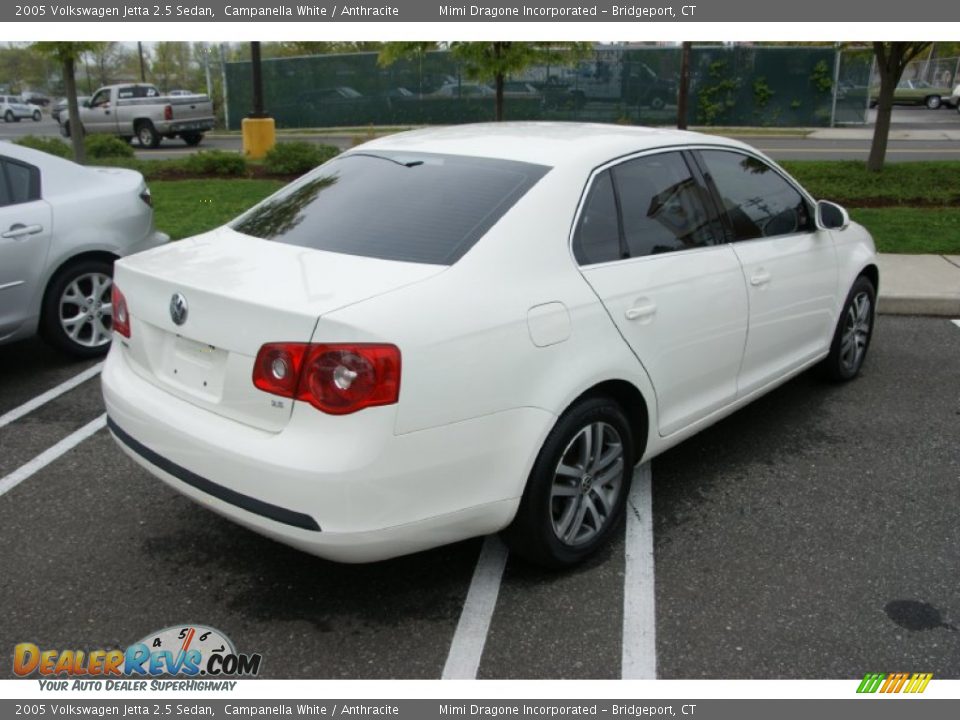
pixel 61 227
pixel 14 109
pixel 452 332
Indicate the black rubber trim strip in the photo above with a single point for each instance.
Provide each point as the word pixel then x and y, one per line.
pixel 245 502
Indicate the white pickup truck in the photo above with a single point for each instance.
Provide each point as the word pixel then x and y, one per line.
pixel 140 111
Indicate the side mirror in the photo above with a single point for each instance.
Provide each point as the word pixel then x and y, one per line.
pixel 85 103
pixel 831 216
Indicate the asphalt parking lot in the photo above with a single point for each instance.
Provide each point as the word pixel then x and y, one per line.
pixel 813 534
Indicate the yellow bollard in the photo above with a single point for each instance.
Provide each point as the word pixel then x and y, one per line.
pixel 259 135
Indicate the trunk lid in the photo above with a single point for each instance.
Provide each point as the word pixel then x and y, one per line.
pixel 239 293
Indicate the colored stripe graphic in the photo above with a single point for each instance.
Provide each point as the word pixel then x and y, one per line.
pixel 894 682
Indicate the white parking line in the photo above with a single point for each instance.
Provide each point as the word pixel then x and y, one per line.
pixel 956 322
pixel 471 633
pixel 639 656
pixel 9 482
pixel 49 395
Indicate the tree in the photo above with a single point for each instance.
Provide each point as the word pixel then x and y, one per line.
pixel 485 61
pixel 66 54
pixel 892 59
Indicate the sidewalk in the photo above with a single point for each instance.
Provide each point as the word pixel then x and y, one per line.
pixel 919 285
pixel 866 133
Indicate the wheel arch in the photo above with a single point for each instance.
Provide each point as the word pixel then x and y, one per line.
pixel 872 273
pixel 631 401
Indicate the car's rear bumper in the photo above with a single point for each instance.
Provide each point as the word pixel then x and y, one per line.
pixel 345 488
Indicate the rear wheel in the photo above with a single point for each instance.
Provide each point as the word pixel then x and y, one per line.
pixel 851 339
pixel 577 490
pixel 77 310
pixel 36 116
pixel 8 116
pixel 65 128
pixel 147 135
pixel 932 102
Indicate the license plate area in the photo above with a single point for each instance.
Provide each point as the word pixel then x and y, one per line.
pixel 194 367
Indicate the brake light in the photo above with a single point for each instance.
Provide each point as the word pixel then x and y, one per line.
pixel 168 112
pixel 337 379
pixel 146 196
pixel 121 315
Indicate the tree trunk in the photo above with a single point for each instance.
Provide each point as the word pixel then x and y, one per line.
pixel 881 129
pixel 683 94
pixel 498 82
pixel 73 112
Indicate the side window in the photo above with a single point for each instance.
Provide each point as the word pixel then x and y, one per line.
pixel 19 183
pixel 125 93
pixel 663 206
pixel 758 201
pixel 100 99
pixel 5 197
pixel 597 238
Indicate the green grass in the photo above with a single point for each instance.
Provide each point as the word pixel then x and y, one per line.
pixel 187 207
pixel 912 230
pixel 908 183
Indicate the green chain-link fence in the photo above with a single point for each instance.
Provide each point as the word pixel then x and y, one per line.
pixel 732 86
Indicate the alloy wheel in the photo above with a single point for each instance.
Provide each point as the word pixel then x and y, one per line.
pixel 86 312
pixel 587 483
pixel 856 332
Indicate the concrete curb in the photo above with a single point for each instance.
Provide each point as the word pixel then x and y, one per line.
pixel 919 285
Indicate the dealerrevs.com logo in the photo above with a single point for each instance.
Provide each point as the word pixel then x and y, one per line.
pixel 183 651
pixel 909 683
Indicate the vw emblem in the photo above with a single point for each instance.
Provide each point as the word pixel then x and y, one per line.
pixel 178 308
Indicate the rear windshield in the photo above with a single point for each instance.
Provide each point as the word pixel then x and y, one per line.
pixel 413 207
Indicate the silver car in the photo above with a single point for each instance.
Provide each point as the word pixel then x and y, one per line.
pixel 61 227
pixel 14 109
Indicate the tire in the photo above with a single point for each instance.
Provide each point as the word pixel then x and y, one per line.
pixel 36 116
pixel 657 103
pixel 192 139
pixel 8 116
pixel 65 128
pixel 933 102
pixel 566 514
pixel 148 135
pixel 851 339
pixel 77 317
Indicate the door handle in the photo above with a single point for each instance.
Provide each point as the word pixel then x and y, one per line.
pixel 761 277
pixel 638 312
pixel 19 230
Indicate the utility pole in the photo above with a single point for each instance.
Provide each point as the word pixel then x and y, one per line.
pixel 143 72
pixel 257 81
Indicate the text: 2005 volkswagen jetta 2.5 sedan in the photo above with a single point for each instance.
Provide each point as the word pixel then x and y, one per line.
pixel 452 332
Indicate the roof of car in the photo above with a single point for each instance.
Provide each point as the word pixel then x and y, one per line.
pixel 545 143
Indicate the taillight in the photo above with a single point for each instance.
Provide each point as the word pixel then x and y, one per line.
pixel 121 314
pixel 337 379
pixel 146 196
pixel 168 112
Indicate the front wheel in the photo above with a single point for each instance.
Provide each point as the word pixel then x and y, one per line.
pixel 77 310
pixel 36 116
pixel 577 491
pixel 851 339
pixel 8 116
pixel 933 102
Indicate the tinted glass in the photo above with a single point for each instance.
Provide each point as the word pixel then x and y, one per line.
pixel 758 201
pixel 421 207
pixel 597 238
pixel 19 182
pixel 662 205
pixel 5 198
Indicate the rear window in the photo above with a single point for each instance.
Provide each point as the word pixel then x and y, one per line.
pixel 412 207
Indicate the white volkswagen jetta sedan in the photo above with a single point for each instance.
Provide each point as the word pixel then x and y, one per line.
pixel 452 332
